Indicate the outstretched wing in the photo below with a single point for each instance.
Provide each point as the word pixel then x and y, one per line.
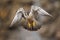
pixel 43 12
pixel 41 15
pixel 17 17
pixel 40 10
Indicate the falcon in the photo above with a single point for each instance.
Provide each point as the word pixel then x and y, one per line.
pixel 30 20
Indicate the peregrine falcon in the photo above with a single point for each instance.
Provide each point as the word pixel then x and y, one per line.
pixel 30 20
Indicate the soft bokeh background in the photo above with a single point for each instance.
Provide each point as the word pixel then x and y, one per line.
pixel 8 9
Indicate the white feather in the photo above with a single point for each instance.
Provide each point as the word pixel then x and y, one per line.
pixel 40 10
pixel 17 17
pixel 43 12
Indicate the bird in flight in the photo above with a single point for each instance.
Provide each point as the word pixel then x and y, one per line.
pixel 30 20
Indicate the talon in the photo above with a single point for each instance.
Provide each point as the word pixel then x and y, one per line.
pixel 34 24
pixel 29 25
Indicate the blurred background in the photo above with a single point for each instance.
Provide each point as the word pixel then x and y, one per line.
pixel 8 9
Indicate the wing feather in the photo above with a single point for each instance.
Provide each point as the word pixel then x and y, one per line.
pixel 43 12
pixel 17 17
pixel 40 10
